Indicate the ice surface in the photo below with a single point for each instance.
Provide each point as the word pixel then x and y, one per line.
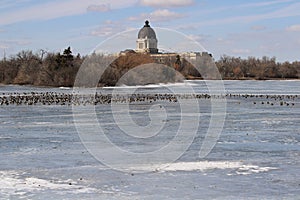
pixel 256 157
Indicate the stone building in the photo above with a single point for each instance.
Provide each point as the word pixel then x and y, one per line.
pixel 147 41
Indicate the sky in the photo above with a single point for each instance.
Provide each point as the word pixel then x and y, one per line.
pixel 232 27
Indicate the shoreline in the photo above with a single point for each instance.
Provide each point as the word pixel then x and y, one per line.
pixel 189 79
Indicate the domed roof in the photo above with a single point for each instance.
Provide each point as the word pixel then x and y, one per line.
pixel 146 31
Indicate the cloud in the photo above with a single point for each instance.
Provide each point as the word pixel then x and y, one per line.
pixel 288 11
pixel 102 31
pixel 242 6
pixel 258 28
pixel 166 3
pixel 195 37
pixel 99 8
pixel 57 9
pixel 165 15
pixel 291 10
pixel 241 51
pixel 108 28
pixel 294 28
pixel 4 46
pixel 158 15
pixel 12 44
pixel 199 37
pixel 6 4
pixel 282 44
pixel 263 4
pixel 21 42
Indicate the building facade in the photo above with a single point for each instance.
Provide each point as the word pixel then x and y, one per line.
pixel 147 41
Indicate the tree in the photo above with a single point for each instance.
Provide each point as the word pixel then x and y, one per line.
pixel 29 67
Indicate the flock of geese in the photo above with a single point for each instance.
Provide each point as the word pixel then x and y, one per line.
pixel 54 98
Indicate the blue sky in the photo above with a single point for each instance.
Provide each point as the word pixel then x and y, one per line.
pixel 232 27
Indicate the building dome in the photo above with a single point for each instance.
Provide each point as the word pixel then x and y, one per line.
pixel 146 31
pixel 146 41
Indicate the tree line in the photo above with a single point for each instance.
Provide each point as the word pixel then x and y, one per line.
pixel 60 69
pixel 257 68
pixel 45 69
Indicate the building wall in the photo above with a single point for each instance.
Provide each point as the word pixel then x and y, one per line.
pixel 147 45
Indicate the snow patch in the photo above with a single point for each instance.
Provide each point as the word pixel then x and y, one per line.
pixel 14 183
pixel 250 169
pixel 241 169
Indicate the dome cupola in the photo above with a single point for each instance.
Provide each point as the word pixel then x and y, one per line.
pixel 147 41
pixel 146 31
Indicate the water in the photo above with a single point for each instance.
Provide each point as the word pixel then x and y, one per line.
pixel 256 157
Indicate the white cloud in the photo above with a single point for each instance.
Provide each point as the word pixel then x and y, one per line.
pixel 165 15
pixel 242 6
pixel 108 28
pixel 108 22
pixel 291 10
pixel 265 3
pixel 6 4
pixel 23 42
pixel 158 15
pixel 241 51
pixel 4 46
pixel 9 45
pixel 281 44
pixel 223 41
pixel 288 11
pixel 19 42
pixel 166 3
pixel 258 28
pixel 57 9
pixel 295 28
pixel 198 37
pixel 98 8
pixel 102 31
pixel 195 37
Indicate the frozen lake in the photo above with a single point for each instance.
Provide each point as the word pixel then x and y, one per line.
pixel 257 155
